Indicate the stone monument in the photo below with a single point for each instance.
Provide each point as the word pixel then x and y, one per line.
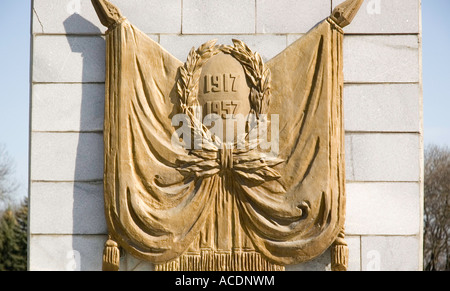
pixel 224 204
pixel 276 143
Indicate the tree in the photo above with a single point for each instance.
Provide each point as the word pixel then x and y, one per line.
pixel 437 209
pixel 7 241
pixel 13 221
pixel 21 237
pixel 7 185
pixel 13 238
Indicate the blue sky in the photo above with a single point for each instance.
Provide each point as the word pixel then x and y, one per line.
pixel 14 85
pixel 436 71
pixel 15 64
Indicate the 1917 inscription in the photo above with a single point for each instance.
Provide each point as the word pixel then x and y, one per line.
pixel 220 83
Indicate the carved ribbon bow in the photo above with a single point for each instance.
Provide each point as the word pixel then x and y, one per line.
pixel 253 167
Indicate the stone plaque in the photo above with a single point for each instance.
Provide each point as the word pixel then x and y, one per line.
pixel 224 163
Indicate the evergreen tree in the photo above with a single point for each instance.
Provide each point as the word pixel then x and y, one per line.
pixel 8 243
pixel 13 239
pixel 13 221
pixel 21 237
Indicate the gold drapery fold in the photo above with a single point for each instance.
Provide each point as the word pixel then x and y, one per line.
pixel 161 215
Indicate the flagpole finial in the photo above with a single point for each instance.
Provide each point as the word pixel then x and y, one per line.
pixel 107 12
pixel 344 13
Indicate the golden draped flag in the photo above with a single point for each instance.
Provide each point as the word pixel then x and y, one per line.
pixel 216 206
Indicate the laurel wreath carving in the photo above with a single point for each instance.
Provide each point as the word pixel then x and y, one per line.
pixel 257 75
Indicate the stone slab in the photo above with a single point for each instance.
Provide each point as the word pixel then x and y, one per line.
pixel 218 17
pixel 380 157
pixel 66 157
pixel 68 107
pixel 290 16
pixel 67 208
pixel 383 208
pixel 66 252
pixel 68 59
pixel 382 107
pixel 390 253
pixel 381 59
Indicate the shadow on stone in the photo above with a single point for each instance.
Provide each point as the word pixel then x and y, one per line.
pixel 87 237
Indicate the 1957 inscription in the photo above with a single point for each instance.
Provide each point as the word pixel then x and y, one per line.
pixel 222 108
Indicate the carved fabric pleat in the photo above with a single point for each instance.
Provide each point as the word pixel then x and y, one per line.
pixel 224 210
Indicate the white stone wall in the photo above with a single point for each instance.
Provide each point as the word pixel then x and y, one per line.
pixel 383 118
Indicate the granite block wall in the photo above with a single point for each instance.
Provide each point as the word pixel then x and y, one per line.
pixel 383 118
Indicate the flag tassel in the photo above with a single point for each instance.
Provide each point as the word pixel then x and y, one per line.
pixel 111 256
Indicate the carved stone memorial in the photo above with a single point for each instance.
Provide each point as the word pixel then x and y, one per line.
pixel 224 163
